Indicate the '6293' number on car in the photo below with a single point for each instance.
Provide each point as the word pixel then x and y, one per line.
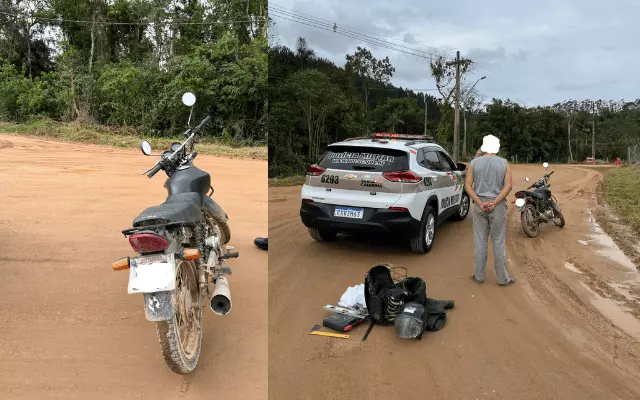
pixel 331 179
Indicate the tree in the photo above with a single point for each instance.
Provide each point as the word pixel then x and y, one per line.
pixel 315 98
pixel 444 73
pixel 363 64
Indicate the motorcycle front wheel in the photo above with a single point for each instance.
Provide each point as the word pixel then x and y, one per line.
pixel 558 218
pixel 530 224
pixel 181 336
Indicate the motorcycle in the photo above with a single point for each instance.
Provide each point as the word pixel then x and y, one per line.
pixel 538 206
pixel 180 252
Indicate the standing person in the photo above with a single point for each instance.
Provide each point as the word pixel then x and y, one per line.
pixel 488 183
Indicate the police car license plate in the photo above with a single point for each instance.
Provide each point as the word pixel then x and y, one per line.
pixel 348 212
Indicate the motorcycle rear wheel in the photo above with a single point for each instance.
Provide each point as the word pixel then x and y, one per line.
pixel 558 219
pixel 181 336
pixel 530 224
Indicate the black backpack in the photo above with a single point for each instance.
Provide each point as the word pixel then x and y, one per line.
pixel 377 285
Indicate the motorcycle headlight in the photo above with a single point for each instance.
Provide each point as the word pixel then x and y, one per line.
pixel 520 202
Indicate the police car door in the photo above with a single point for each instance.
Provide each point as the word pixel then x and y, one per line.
pixel 436 179
pixel 456 182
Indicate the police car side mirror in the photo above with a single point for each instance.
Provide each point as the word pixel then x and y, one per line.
pixel 461 166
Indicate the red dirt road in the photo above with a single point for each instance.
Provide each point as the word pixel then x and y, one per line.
pixel 68 328
pixel 555 334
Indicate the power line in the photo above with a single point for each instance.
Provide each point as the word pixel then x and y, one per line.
pixel 62 20
pixel 363 38
pixel 369 89
pixel 354 30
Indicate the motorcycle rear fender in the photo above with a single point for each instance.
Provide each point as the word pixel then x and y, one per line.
pixel 215 210
pixel 157 306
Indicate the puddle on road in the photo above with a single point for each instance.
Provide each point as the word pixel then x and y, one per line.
pixel 571 267
pixel 616 313
pixel 609 248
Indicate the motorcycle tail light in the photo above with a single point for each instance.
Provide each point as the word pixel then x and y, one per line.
pixel 148 242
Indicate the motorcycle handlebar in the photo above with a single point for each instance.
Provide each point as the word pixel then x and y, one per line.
pixel 203 123
pixel 154 170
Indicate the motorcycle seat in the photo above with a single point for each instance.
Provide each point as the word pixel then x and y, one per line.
pixel 535 195
pixel 181 207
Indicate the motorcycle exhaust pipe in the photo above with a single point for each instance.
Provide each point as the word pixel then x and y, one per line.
pixel 221 299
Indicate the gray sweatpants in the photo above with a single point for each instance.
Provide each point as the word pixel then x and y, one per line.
pixel 495 223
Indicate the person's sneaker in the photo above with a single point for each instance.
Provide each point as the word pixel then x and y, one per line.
pixel 476 280
pixel 262 243
pixel 511 281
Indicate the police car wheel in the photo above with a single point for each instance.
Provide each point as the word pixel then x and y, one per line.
pixel 422 242
pixel 322 235
pixel 463 210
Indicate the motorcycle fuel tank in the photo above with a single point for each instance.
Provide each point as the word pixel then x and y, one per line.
pixel 191 179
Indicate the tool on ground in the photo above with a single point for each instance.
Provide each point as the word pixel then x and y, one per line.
pixel 366 334
pixel 345 311
pixel 316 331
pixel 341 322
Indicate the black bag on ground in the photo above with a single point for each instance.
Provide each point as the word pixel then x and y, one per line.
pixel 377 284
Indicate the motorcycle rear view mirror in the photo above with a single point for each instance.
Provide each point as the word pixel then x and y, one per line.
pixel 545 165
pixel 146 148
pixel 526 179
pixel 189 99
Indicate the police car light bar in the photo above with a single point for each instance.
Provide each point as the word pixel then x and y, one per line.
pixel 399 136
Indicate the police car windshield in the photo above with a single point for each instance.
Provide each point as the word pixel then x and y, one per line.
pixel 359 158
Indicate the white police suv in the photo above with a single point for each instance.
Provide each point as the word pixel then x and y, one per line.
pixel 399 184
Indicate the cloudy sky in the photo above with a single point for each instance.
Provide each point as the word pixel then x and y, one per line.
pixel 537 52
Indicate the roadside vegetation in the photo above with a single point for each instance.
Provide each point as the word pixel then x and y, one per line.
pixel 87 70
pixel 123 137
pixel 314 102
pixel 622 193
pixel 295 180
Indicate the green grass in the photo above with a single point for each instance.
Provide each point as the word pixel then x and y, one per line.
pixel 288 181
pixel 128 138
pixel 622 193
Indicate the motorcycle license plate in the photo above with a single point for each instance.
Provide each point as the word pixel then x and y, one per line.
pixel 152 274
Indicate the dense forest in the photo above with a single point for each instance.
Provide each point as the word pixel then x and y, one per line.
pixel 127 63
pixel 313 102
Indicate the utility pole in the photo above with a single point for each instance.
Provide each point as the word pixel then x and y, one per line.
pixel 464 138
pixel 593 133
pixel 425 114
pixel 569 136
pixel 456 126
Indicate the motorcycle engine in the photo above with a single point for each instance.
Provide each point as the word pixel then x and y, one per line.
pixel 549 214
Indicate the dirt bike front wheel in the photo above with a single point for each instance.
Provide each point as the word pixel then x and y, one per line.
pixel 530 224
pixel 181 336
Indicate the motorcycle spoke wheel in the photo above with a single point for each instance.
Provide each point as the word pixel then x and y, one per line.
pixel 181 336
pixel 530 224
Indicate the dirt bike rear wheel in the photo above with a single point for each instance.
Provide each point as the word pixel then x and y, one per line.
pixel 181 336
pixel 530 224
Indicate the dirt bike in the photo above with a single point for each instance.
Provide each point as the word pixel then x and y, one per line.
pixel 538 206
pixel 180 251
